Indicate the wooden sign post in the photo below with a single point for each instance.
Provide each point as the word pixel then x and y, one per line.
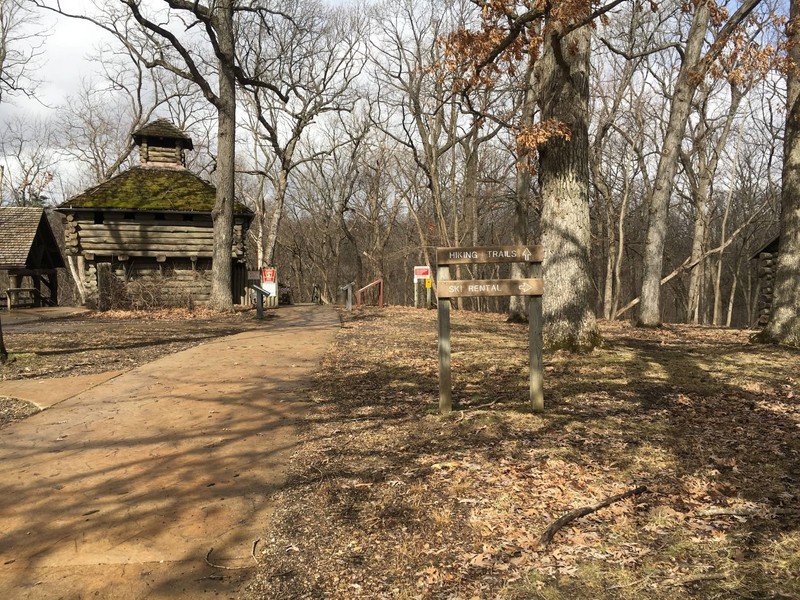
pixel 447 288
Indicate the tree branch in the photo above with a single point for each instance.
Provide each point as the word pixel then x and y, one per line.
pixel 691 264
pixel 554 528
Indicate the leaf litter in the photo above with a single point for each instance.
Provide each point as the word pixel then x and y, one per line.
pixel 387 499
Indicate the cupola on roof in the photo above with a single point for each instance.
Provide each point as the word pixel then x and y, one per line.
pixel 162 129
pixel 162 145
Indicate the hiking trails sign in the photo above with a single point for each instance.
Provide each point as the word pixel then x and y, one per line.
pixel 447 288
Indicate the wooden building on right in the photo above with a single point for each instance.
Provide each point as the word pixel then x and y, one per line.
pixel 767 262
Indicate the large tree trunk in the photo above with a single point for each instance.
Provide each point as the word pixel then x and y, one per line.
pixel 221 296
pixel 685 86
pixel 783 326
pixel 522 198
pixel 569 294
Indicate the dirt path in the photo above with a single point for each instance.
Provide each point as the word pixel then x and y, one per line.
pixel 121 491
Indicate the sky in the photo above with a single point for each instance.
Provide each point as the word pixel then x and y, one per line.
pixel 64 63
pixel 62 66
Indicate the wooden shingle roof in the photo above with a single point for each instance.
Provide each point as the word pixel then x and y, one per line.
pixel 20 229
pixel 164 129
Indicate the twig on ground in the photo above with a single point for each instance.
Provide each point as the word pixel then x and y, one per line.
pixel 699 578
pixel 253 550
pixel 741 512
pixel 637 583
pixel 554 528
pixel 210 564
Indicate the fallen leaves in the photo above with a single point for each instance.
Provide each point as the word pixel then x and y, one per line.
pixel 13 410
pixel 454 508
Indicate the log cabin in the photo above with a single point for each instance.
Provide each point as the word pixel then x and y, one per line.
pixel 144 238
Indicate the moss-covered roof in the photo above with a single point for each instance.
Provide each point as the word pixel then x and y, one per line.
pixel 148 188
pixel 162 128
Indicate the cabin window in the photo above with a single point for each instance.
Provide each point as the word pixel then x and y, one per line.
pixel 128 216
pixel 160 217
pixel 188 217
pixel 98 217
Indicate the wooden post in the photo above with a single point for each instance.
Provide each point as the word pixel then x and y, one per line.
pixel 3 350
pixel 428 290
pixel 260 295
pixel 445 382
pixel 535 326
pixel 259 303
pixel 447 288
pixel 416 293
pixel 349 299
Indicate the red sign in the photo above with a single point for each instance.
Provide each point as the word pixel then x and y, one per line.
pixel 267 275
pixel 422 272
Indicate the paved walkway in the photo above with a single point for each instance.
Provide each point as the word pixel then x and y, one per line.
pixel 30 315
pixel 130 488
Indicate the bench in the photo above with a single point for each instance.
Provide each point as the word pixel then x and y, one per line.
pixel 14 297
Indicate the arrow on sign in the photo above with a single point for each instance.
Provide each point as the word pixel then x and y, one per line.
pixel 525 287
pixel 526 254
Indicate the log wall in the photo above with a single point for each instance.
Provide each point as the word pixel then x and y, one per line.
pixel 160 154
pixel 146 262
pixel 145 236
pixel 144 283
pixel 767 262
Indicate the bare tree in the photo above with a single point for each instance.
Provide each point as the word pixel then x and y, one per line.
pixel 316 56
pixel 179 36
pixel 27 149
pixel 96 124
pixel 419 102
pixel 693 69
pixel 21 43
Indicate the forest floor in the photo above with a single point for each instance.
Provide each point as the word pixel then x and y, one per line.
pixel 387 499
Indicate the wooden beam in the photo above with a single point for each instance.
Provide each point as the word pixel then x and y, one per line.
pixel 149 227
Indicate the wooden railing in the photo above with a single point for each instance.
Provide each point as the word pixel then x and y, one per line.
pixel 360 293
